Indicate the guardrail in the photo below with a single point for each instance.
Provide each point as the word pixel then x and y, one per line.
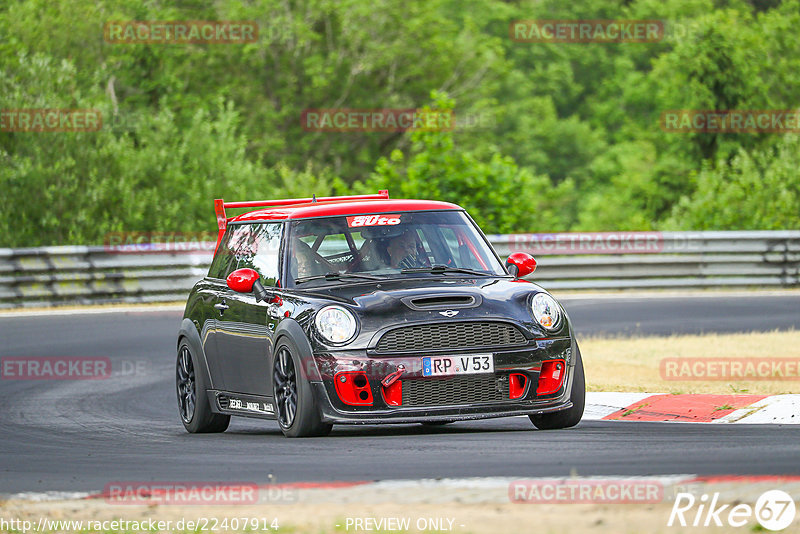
pixel 619 260
pixel 48 276
pixel 645 260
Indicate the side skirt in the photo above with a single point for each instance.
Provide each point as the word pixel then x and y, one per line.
pixel 230 403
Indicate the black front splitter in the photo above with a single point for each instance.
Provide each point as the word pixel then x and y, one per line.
pixel 428 414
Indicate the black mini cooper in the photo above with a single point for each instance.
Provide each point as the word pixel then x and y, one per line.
pixel 367 310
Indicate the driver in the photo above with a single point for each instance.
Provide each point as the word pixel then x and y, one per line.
pixel 390 247
pixel 402 251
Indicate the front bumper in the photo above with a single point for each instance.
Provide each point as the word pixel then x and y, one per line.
pixel 526 360
pixel 432 414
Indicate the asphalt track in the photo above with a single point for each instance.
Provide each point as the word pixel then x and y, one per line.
pixel 80 435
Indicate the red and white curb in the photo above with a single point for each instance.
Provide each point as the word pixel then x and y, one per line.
pixel 693 408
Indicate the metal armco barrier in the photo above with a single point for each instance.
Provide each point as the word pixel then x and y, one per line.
pixel 93 275
pixel 614 260
pixel 644 260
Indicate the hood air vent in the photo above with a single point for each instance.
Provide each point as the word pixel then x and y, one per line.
pixel 441 302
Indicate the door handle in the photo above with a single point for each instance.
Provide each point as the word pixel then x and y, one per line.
pixel 221 306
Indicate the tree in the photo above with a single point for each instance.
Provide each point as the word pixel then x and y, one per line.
pixel 757 189
pixel 501 196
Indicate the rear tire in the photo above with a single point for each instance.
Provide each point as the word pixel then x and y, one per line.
pixel 295 406
pixel 571 416
pixel 193 407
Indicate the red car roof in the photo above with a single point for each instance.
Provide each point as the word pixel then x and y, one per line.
pixel 343 207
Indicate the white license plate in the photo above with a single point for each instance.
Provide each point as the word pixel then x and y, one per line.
pixel 457 365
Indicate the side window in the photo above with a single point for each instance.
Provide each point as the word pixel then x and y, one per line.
pixel 220 265
pixel 255 246
pixel 260 250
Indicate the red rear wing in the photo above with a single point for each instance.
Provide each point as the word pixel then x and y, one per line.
pixel 222 218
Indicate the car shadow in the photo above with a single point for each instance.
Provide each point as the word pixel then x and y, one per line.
pixel 399 430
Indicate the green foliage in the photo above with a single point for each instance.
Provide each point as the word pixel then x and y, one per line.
pixel 758 189
pixel 572 140
pixel 138 173
pixel 501 196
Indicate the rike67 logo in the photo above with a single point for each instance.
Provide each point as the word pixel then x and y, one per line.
pixel 373 220
pixel 774 510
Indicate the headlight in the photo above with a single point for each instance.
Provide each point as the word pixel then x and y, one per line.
pixel 335 324
pixel 546 311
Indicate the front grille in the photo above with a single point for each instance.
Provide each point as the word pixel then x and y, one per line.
pixel 468 335
pixel 468 389
pixel 223 402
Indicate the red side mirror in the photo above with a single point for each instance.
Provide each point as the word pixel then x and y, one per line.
pixel 242 280
pixel 520 264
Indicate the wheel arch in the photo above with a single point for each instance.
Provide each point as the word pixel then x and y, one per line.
pixel 188 331
pixel 291 330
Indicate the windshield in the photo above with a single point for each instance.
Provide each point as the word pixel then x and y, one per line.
pixel 387 245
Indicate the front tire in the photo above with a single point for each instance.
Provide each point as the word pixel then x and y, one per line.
pixel 572 416
pixel 193 407
pixel 296 408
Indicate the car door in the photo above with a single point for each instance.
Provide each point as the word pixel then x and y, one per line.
pixel 244 331
pixel 207 294
pixel 213 294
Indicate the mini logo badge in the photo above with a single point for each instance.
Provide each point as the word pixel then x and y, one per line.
pixel 449 313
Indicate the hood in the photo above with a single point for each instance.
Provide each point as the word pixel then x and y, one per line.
pixel 394 302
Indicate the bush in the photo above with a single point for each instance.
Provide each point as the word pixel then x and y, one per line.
pixel 759 189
